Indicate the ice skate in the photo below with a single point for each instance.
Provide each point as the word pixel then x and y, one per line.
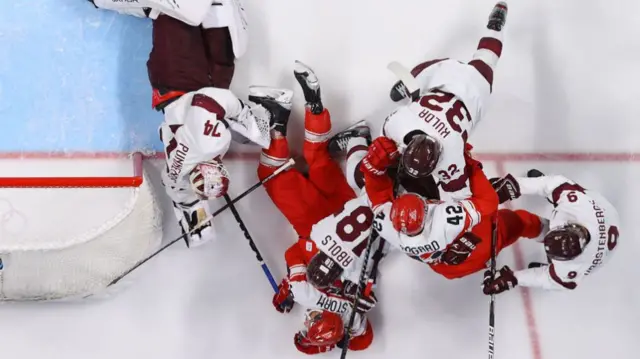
pixel 340 141
pixel 534 173
pixel 277 102
pixel 498 17
pixel 536 265
pixel 189 217
pixel 310 86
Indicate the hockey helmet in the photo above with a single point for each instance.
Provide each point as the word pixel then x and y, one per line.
pixel 567 242
pixel 408 214
pixel 421 156
pixel 323 328
pixel 322 271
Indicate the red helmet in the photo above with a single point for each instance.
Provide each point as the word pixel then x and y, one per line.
pixel 566 242
pixel 408 214
pixel 323 328
pixel 421 156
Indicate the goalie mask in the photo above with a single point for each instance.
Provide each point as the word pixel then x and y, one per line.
pixel 323 328
pixel 566 242
pixel 209 179
pixel 322 271
pixel 421 156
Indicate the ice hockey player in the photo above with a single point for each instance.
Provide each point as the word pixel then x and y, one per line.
pixel 190 69
pixel 208 38
pixel 453 237
pixel 433 129
pixel 333 226
pixel 583 232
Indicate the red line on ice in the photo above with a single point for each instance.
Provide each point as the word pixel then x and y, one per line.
pixel 488 156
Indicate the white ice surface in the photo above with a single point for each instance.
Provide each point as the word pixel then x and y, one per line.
pixel 214 301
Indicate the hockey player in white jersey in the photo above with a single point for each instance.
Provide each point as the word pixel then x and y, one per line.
pixel 583 232
pixel 196 133
pixel 449 101
pixel 333 226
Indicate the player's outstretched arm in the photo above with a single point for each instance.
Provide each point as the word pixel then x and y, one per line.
pixel 382 153
pixel 484 200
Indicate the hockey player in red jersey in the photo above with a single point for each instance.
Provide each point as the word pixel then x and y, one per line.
pixel 449 101
pixel 453 237
pixel 320 206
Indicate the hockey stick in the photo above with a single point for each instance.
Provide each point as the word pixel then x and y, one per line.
pixel 281 169
pixel 252 244
pixel 359 290
pixel 494 244
pixel 411 87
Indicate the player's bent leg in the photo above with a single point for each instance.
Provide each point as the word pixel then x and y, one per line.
pixel 190 211
pixel 177 61
pixel 486 57
pixel 324 172
pixel 272 158
pixel 220 55
pixel 293 194
pixel 515 224
pixel 316 136
pixel 357 148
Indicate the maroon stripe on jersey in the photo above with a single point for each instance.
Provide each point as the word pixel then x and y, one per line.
pixel 556 278
pixel 555 195
pixel 456 184
pixel 358 175
pixel 492 44
pixel 357 148
pixel 209 104
pixel 418 69
pixel 485 70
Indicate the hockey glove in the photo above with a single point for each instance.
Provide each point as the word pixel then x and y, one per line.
pixel 365 302
pixel 460 249
pixel 382 153
pixel 506 187
pixel 283 300
pixel 504 281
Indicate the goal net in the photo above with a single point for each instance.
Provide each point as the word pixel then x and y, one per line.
pixel 69 237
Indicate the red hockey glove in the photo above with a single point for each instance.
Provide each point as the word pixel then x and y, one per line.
pixel 382 153
pixel 283 300
pixel 304 345
pixel 504 280
pixel 506 187
pixel 460 249
pixel 365 303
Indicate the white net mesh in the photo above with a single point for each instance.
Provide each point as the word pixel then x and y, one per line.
pixel 71 242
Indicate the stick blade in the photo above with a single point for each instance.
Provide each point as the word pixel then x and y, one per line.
pixel 403 74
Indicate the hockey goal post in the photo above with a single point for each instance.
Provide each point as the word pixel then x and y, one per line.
pixel 69 236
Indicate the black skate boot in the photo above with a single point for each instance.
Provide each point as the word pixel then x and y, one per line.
pixel 398 92
pixel 534 173
pixel 277 101
pixel 536 265
pixel 310 87
pixel 498 17
pixel 339 142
